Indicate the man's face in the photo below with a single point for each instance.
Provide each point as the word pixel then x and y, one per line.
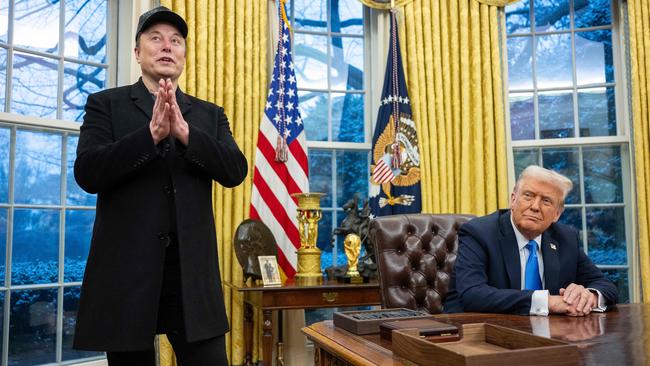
pixel 161 53
pixel 535 206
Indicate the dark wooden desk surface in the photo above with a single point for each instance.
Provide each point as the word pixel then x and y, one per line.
pixel 618 337
pixel 293 296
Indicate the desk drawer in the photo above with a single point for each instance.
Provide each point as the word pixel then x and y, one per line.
pixel 319 298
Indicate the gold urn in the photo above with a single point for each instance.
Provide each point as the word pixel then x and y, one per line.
pixel 309 213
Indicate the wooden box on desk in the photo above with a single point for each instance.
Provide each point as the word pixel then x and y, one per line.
pixel 485 345
pixel 367 321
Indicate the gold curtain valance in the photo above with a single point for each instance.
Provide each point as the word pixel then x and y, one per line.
pixel 383 4
pixel 497 2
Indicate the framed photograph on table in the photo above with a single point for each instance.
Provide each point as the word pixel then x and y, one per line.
pixel 270 271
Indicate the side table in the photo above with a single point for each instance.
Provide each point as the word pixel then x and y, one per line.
pixel 293 296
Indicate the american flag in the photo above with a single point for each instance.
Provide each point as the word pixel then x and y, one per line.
pixel 275 180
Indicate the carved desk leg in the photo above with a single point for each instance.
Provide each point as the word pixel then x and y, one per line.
pixel 267 337
pixel 248 334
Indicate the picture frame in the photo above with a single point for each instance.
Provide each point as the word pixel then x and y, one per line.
pixel 270 271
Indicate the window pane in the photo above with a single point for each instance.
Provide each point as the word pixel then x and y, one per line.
pixel 34 96
pixel 4 22
pixel 603 174
pixel 38 167
pixel 325 233
pixel 551 15
pixel 85 29
pixel 5 145
pixel 554 67
pixel 352 175
pixel 347 16
pixel 565 161
pixel 70 308
pixel 79 82
pixel 310 60
pixel 75 196
pixel 520 63
pixel 2 325
pixel 606 235
pixel 341 258
pixel 347 63
pixel 314 108
pixel 597 111
pixel 3 244
pixel 78 231
pixel 36 25
pixel 592 13
pixel 522 116
pixel 620 279
pixel 3 78
pixel 594 57
pixel 310 14
pixel 320 175
pixel 518 17
pixel 572 216
pixel 555 114
pixel 32 327
pixel 347 117
pixel 524 158
pixel 35 246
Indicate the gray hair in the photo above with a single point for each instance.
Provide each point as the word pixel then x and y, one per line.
pixel 536 172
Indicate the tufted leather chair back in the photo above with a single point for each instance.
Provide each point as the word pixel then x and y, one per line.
pixel 415 257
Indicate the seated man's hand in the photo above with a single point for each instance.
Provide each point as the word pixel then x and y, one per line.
pixel 557 305
pixel 579 297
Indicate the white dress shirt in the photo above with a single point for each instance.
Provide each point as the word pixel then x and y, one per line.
pixel 539 301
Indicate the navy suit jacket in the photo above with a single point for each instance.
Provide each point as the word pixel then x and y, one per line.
pixel 487 272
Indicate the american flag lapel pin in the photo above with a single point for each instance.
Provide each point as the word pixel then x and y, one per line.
pixel 553 246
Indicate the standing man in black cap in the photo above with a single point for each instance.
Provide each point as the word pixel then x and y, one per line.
pixel 151 152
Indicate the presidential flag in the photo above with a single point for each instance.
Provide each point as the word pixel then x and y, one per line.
pixel 395 168
pixel 281 159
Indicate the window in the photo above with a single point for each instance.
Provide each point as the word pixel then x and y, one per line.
pixel 567 113
pixel 329 42
pixel 53 54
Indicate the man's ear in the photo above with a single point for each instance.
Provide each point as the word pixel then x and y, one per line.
pixel 559 213
pixel 136 52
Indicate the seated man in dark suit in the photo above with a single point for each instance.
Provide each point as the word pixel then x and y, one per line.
pixel 496 272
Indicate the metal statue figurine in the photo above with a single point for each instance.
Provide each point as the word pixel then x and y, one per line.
pixel 356 222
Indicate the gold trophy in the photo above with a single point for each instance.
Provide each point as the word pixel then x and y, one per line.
pixel 309 212
pixel 352 245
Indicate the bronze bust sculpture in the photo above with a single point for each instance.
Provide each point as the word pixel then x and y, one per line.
pixel 252 239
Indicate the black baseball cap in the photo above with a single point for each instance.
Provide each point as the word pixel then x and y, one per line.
pixel 161 14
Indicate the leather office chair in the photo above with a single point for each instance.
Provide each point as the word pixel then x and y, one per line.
pixel 415 257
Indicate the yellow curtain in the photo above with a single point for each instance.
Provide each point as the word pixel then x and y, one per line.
pixel 227 65
pixel 639 23
pixel 497 2
pixel 452 62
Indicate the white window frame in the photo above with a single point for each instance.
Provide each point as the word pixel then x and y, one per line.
pixel 122 70
pixel 370 112
pixel 622 139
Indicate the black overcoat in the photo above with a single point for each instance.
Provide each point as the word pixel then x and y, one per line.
pixel 137 184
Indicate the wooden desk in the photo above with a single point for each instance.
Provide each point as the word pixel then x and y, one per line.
pixel 293 296
pixel 618 337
